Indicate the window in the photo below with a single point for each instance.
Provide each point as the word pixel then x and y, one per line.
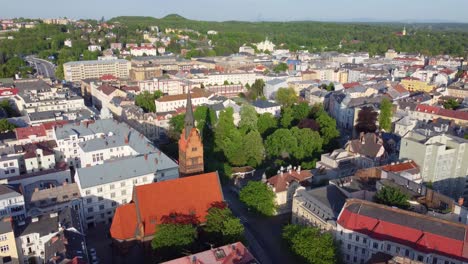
pixel 397 250
pixel 99 189
pixel 114 204
pixel 350 236
pixel 364 240
pixel 357 238
pixel 7 172
pixel 11 164
pixel 363 251
pixel 3 237
pixel 434 260
pixel 144 179
pixel 124 201
pixel 407 252
pixel 90 210
pixel 4 248
pixel 88 192
pixel 112 186
pixel 12 171
pixel 122 184
pixel 376 245
pixel 5 165
pixel 389 247
pixel 349 246
pixel 135 181
pixel 101 207
pixel 355 259
pixel 124 192
pixel 100 198
pixel 194 149
pixel 112 195
pixel 420 258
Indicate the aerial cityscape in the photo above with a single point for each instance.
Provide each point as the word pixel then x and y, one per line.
pixel 221 132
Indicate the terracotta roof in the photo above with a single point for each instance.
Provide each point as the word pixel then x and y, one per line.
pixel 400 88
pixel 281 181
pixel 26 132
pixel 420 232
pixel 368 145
pixel 106 89
pixel 45 146
pixel 411 78
pixel 131 88
pixel 50 125
pixel 400 167
pixel 195 93
pixel 108 77
pixel 153 201
pixel 350 85
pixel 423 108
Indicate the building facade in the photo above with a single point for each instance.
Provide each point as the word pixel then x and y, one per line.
pixel 76 71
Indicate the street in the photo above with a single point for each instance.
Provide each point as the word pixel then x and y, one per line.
pixel 262 233
pixel 43 67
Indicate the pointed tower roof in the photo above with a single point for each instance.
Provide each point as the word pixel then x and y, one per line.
pixel 189 119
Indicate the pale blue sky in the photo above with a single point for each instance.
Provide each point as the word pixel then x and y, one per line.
pixel 251 10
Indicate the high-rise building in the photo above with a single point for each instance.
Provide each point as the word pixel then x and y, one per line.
pixel 190 144
pixel 78 70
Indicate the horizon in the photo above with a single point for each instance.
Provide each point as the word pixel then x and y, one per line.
pixel 367 11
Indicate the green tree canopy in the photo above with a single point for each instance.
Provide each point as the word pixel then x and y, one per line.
pixel 282 67
pixel 248 117
pixel 308 143
pixel 176 125
pixel 224 127
pixel 451 104
pixel 281 143
pixel 146 99
pixel 386 113
pixel 172 239
pixel 328 129
pixel 6 126
pixel 223 227
pixel 266 124
pixel 392 196
pixel 311 244
pixel 253 148
pixel 287 117
pixel 301 111
pixel 286 96
pixel 259 197
pixel 256 89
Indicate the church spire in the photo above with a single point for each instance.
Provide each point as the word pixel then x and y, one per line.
pixel 189 119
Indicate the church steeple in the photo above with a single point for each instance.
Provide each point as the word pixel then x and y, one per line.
pixel 189 119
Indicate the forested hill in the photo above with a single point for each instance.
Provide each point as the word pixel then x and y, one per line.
pixel 430 39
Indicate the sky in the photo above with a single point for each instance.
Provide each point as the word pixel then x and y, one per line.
pixel 246 10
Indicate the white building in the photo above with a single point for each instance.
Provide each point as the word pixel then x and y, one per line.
pixel 68 43
pixel 143 51
pixel 266 45
pixel 262 107
pixel 272 86
pixel 173 102
pixel 94 48
pixel 75 71
pixel 235 78
pixel 11 203
pixel 247 49
pixel 166 86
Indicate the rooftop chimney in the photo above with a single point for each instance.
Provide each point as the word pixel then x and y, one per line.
pixel 126 139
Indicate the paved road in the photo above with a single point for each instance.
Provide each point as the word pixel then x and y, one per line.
pixel 262 233
pixel 43 67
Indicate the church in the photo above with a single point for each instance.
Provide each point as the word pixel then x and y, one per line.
pixel 190 145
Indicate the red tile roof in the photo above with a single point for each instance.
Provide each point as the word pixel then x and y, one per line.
pixel 442 112
pixel 50 125
pixel 281 181
pixel 153 201
pixel 108 77
pixel 27 132
pixel 235 253
pixel 400 167
pixel 411 78
pixel 106 89
pixel 420 232
pixel 400 88
pixel 350 85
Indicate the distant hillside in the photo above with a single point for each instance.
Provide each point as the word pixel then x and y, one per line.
pixel 376 38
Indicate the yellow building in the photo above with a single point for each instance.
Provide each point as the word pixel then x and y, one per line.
pixel 8 250
pixel 145 72
pixel 416 85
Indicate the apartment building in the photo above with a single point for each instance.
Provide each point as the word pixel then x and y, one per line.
pixel 11 203
pixel 8 250
pixel 365 229
pixel 441 159
pixel 76 71
pixel 172 102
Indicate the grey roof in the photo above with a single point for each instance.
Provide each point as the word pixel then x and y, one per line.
pixel 275 81
pixel 5 226
pixel 329 198
pixel 123 169
pixel 32 85
pixel 47 224
pixel 93 62
pixel 7 192
pixel 264 104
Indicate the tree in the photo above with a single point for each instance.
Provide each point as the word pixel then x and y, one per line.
pixel 301 111
pixel 6 126
pixel 172 239
pixel 259 197
pixel 385 117
pixel 330 87
pixel 266 123
pixel 281 143
pixel 248 117
pixel 392 196
pixel 223 227
pixel 286 96
pixel 224 127
pixel 282 67
pixel 256 89
pixel 176 125
pixel 311 244
pixel 451 104
pixel 328 129
pixel 146 99
pixel 233 148
pixel 308 143
pixel 287 117
pixel 253 149
pixel 366 121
